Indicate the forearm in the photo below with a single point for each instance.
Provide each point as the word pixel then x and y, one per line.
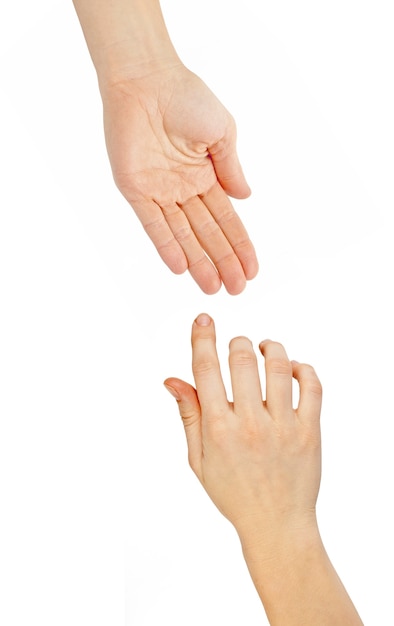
pixel 297 583
pixel 126 38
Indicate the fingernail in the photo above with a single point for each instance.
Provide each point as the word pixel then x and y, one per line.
pixel 203 320
pixel 172 391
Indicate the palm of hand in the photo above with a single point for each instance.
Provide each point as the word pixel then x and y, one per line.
pixel 171 146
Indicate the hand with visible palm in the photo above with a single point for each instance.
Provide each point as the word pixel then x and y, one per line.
pixel 172 148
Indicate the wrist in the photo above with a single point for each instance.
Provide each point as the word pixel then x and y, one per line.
pixel 295 578
pixel 278 539
pixel 127 39
pixel 124 61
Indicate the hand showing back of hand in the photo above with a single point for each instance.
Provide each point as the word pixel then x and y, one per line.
pixel 259 460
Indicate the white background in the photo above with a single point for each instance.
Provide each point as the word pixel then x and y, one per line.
pixel 102 521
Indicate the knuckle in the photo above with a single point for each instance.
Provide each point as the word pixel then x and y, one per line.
pixel 251 432
pixel 183 234
pixel 188 415
pixel 244 248
pixel 311 441
pixel 315 387
pixel 311 380
pixel 169 252
pixel 278 365
pixel 154 226
pixel 227 216
pixel 229 261
pixel 208 229
pixel 198 262
pixel 203 367
pixel 241 352
pixel 217 429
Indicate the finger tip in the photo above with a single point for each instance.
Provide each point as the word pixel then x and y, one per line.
pixel 209 281
pixel 203 319
pixel 169 385
pixel 252 269
pixel 237 288
pixel 212 288
pixel 179 267
pixel 235 188
pixel 244 194
pixel 175 259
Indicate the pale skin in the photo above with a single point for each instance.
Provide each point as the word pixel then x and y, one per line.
pixel 171 144
pixel 259 460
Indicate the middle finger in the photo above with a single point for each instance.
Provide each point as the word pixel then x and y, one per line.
pixel 245 378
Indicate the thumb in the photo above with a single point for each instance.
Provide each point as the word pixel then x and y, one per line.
pixel 190 412
pixel 228 168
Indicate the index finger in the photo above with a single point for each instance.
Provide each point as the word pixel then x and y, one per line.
pixel 206 369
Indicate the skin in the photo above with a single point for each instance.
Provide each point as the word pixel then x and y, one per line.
pixel 171 144
pixel 259 460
